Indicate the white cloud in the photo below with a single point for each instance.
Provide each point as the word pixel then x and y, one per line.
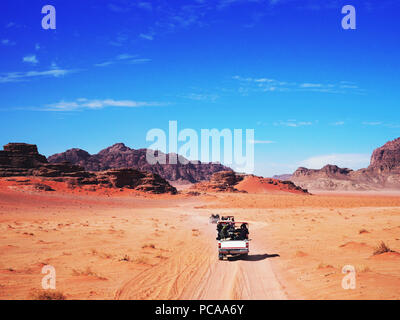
pixel 25 76
pixel 266 84
pixel 123 58
pixel 201 96
pixel 372 123
pixel 145 5
pixel 7 42
pixel 37 46
pixel 94 104
pixel 139 61
pixel 146 36
pixel 293 123
pixel 30 59
pixel 338 123
pixel 343 160
pixel 261 141
pixel 311 85
pixel 10 24
pixel 104 64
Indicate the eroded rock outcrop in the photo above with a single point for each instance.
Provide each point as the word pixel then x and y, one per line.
pixel 20 159
pixel 121 156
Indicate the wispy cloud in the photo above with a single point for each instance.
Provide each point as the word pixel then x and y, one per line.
pixel 30 59
pixel 145 5
pixel 117 8
pixel 248 85
pixel 119 40
pixel 262 141
pixel 10 25
pixel 293 123
pixel 95 104
pixel 344 160
pixel 201 96
pixel 7 42
pixel 381 124
pixel 146 36
pixel 338 123
pixel 123 58
pixel 372 123
pixel 26 76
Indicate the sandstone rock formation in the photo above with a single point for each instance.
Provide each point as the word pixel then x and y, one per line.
pixel 134 179
pixel 223 181
pixel 228 181
pixel 121 156
pixel 20 159
pixel 382 173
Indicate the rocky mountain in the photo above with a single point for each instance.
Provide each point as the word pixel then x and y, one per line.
pixel 382 173
pixel 386 158
pixel 121 156
pixel 284 177
pixel 20 159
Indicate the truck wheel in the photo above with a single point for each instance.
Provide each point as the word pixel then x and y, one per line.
pixel 221 257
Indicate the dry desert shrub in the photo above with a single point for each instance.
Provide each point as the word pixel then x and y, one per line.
pixel 324 265
pixel 361 231
pixel 48 295
pixel 125 258
pixel 382 248
pixel 149 245
pixel 87 272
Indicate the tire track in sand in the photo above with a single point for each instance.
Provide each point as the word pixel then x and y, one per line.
pixel 194 272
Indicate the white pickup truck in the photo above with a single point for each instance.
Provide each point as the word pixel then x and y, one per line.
pixel 232 248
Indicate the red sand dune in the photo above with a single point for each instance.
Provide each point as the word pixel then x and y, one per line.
pixel 254 184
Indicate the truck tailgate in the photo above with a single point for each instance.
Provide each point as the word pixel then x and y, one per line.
pixel 233 244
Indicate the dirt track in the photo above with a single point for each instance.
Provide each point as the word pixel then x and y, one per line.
pixel 135 247
pixel 194 272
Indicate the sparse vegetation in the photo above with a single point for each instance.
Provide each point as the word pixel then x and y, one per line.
pixel 382 248
pixel 87 272
pixel 361 231
pixel 48 295
pixel 149 245
pixel 324 265
pixel 125 258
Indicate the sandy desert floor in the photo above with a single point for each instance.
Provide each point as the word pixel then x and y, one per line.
pixel 127 246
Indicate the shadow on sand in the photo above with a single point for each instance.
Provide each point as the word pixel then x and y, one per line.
pixel 254 257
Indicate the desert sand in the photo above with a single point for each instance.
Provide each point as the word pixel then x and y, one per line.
pixel 127 245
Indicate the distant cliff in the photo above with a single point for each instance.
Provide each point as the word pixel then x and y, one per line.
pixel 382 173
pixel 121 156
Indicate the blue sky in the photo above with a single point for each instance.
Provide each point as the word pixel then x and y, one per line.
pixel 112 70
